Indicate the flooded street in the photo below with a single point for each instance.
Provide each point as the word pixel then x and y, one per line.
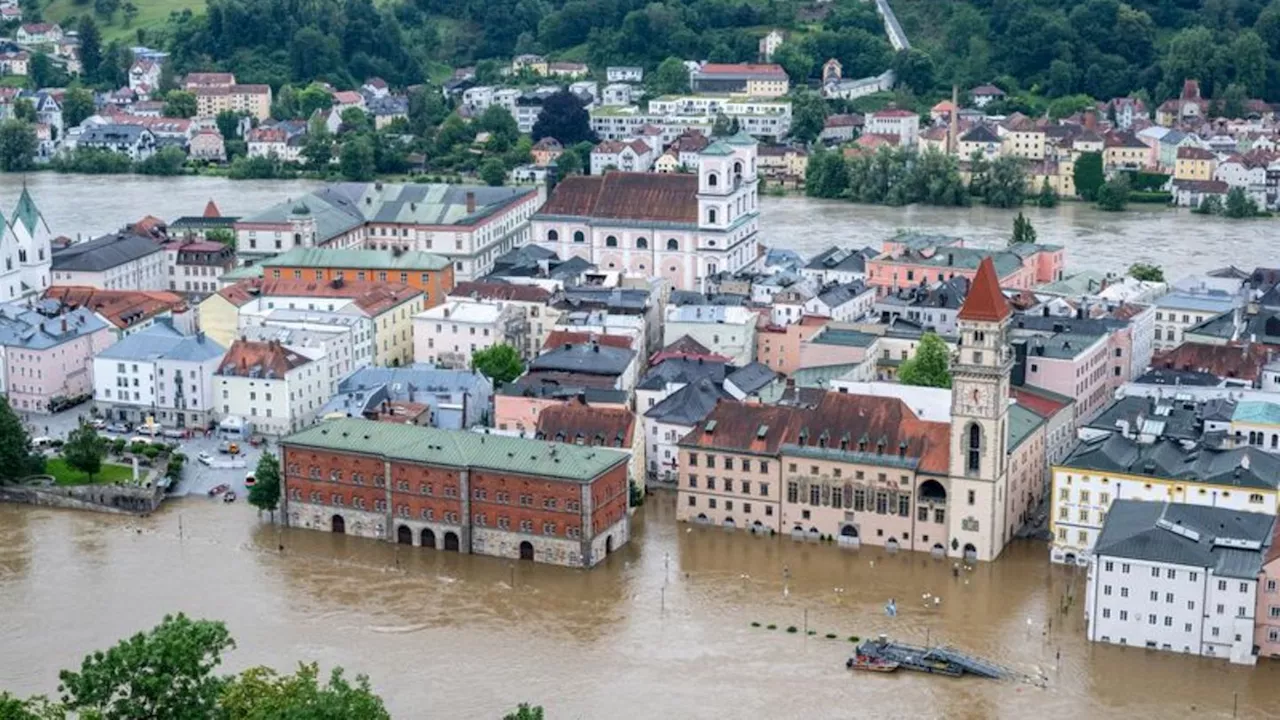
pixel 448 636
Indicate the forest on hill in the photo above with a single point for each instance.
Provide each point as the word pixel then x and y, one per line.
pixel 1041 49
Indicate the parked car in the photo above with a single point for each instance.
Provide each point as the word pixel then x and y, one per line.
pixel 98 424
pixel 250 480
pixel 118 428
pixel 175 433
pixel 41 443
pixel 205 458
pixel 229 448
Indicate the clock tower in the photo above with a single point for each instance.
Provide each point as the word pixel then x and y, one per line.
pixel 979 421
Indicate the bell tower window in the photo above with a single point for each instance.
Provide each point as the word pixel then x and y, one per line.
pixel 974 460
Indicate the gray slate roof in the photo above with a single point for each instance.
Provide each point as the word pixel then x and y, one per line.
pixel 103 253
pixel 682 371
pixel 751 378
pixel 1230 543
pixel 690 404
pixel 1244 467
pixel 591 359
pixel 161 341
pixel 31 330
pixel 842 259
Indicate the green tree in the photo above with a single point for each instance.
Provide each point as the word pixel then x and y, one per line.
pixel 130 14
pixel 1048 197
pixel 24 110
pixel 1231 101
pixel 493 172
pixel 313 98
pixel 808 115
pixel 84 450
pixel 1144 271
pixel 90 48
pixel 17 146
pixel 1088 176
pixel 318 150
pixel 1006 185
pixel 77 105
pixel 500 363
pixel 221 235
pixel 827 175
pixel 569 164
pixel 16 459
pixel 262 694
pixel 1023 231
pixel 497 121
pixel 228 123
pixel 1114 194
pixel 1239 204
pixel 671 78
pixel 180 104
pixel 525 711
pixel 930 366
pixel 265 493
pixel 1069 105
pixel 168 161
pixel 355 120
pixel 356 160
pixel 166 672
pixel 793 59
pixel 42 73
pixel 564 118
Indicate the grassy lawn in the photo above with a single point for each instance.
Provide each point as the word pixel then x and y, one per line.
pixel 66 475
pixel 151 14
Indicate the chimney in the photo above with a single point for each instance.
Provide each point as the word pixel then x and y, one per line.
pixel 471 202
pixel 64 323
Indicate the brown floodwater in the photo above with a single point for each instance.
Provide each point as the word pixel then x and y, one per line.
pixel 661 629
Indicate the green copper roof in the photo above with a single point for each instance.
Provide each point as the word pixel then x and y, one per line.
pixel 459 448
pixel 27 213
pixel 1022 422
pixel 717 148
pixel 741 138
pixel 355 258
pixel 244 272
pixel 1257 412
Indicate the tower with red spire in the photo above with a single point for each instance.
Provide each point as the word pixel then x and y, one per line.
pixel 980 375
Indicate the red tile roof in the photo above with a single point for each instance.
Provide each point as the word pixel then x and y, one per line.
pixel 560 338
pixel 741 68
pixel 242 292
pixel 1224 361
pixel 372 297
pixel 985 302
pixel 122 308
pixel 1038 402
pixel 251 358
pixel 582 424
pixel 738 427
pixel 1188 152
pixel 481 290
pixel 630 196
pixel 211 210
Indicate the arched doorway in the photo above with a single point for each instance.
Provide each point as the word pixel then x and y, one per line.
pixel 938 550
pixel 757 527
pixel 728 522
pixel 451 541
pixel 608 545
pixel 814 534
pixel 702 518
pixel 970 552
pixel 849 536
pixel 931 491
pixel 1070 559
pixel 338 524
pixel 891 545
pixel 427 538
pixel 404 535
pixel 526 550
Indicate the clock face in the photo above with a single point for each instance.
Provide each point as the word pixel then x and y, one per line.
pixel 975 400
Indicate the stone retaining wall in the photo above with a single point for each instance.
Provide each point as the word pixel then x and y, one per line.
pixel 123 499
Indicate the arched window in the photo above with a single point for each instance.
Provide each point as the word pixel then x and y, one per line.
pixel 611 241
pixel 737 170
pixel 975 449
pixel 713 179
pixel 578 236
pixel 553 236
pixel 642 243
pixel 711 215
pixel 673 244
pixel 297 238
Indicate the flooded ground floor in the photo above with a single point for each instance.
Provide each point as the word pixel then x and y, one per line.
pixel 662 628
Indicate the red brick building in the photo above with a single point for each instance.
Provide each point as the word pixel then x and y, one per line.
pixel 457 490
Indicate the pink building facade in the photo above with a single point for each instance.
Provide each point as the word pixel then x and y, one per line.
pixel 912 260
pixel 1266 626
pixel 778 347
pixel 49 357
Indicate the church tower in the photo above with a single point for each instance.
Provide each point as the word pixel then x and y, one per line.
pixel 979 421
